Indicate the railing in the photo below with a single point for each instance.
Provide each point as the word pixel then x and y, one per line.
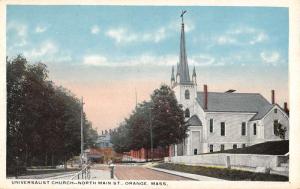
pixel 85 173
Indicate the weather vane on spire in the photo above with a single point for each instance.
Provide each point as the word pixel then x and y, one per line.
pixel 183 12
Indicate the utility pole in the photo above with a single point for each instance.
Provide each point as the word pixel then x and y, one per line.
pixel 151 137
pixel 81 126
pixel 135 98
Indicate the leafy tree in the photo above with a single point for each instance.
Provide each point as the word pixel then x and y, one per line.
pixel 15 107
pixel 43 120
pixel 165 116
pixel 279 130
pixel 168 118
pixel 120 139
pixel 139 126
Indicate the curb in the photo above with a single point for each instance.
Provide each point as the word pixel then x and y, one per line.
pixel 61 176
pixel 186 175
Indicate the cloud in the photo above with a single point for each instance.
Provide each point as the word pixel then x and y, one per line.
pixel 46 48
pixel 241 30
pixel 202 60
pixel 20 29
pixel 143 59
pixel 40 29
pixel 95 60
pixel 270 58
pixel 47 51
pixel 151 60
pixel 222 40
pixel 18 33
pixel 259 37
pixel 121 35
pixel 124 35
pixel 156 36
pixel 95 29
pixel 240 36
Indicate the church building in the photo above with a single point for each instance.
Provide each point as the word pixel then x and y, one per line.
pixel 222 120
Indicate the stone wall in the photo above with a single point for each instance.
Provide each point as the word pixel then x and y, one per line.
pixel 239 160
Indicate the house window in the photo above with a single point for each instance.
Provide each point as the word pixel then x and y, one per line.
pixel 275 125
pixel 234 146
pixel 222 128
pixel 243 128
pixel 187 94
pixel 211 125
pixel 222 147
pixel 275 110
pixel 244 145
pixel 254 129
pixel 211 148
pixel 195 151
pixel 187 113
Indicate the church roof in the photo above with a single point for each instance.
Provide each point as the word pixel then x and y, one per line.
pixel 194 121
pixel 236 102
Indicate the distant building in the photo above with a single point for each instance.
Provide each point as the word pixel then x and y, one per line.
pixel 103 140
pixel 222 120
pixel 102 152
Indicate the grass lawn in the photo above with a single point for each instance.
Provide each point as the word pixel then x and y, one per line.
pixel 222 173
pixel 267 148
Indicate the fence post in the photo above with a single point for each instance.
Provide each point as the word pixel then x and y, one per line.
pixel 228 162
pixel 112 166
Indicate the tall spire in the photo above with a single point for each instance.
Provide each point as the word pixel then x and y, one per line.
pixel 183 64
pixel 172 76
pixel 194 76
pixel 194 72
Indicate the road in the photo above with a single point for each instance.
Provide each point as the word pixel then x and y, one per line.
pixel 102 172
pixel 129 172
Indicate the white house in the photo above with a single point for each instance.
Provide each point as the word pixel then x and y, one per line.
pixel 222 120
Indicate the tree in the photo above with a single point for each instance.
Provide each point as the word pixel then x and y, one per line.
pixel 120 139
pixel 167 120
pixel 43 120
pixel 279 130
pixel 15 106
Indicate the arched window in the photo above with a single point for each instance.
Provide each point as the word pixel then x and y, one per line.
pixel 187 113
pixel 187 94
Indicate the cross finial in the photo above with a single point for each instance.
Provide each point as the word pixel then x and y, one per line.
pixel 182 13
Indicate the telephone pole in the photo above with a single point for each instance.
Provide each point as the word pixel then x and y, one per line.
pixel 81 130
pixel 151 135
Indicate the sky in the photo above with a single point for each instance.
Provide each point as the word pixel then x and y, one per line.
pixel 106 53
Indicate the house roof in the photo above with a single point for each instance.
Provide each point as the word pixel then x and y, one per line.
pixel 194 121
pixel 236 102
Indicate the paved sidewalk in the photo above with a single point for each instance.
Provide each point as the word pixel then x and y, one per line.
pixel 97 174
pixel 186 175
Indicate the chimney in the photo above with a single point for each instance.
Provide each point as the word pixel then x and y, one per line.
pixel 102 132
pixel 205 97
pixel 105 131
pixel 285 108
pixel 109 131
pixel 273 96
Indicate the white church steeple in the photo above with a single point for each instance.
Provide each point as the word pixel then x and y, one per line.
pixel 183 86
